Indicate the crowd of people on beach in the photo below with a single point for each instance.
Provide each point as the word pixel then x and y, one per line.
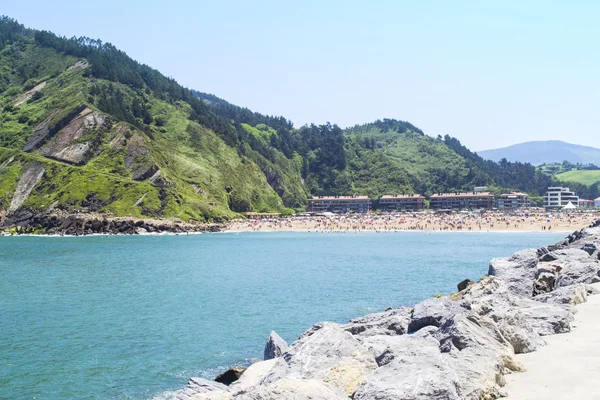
pixel 421 221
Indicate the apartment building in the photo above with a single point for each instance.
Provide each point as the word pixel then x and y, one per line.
pixel 402 202
pixel 459 201
pixel 513 200
pixel 340 204
pixel 558 197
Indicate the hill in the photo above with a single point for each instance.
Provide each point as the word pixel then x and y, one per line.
pixel 585 177
pixel 545 152
pixel 86 129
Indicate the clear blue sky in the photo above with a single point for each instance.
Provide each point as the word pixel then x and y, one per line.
pixel 489 73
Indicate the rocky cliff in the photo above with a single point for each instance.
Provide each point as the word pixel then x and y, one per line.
pixel 455 347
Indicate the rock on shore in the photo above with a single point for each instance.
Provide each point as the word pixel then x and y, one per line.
pixel 456 347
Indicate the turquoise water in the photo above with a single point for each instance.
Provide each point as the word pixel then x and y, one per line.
pixel 131 317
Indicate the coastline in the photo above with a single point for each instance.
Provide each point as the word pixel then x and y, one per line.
pixel 459 346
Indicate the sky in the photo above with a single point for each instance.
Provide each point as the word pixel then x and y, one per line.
pixel 491 74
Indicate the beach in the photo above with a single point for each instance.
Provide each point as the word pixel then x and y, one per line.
pixel 458 222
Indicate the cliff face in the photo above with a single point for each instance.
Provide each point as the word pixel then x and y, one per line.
pixel 455 347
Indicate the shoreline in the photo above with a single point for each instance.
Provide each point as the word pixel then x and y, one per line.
pixel 459 346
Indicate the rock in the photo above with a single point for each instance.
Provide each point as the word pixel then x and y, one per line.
pixel 518 271
pixel 478 355
pixel 275 346
pixel 433 311
pixel 196 386
pixel 231 375
pixel 292 389
pixel 392 322
pixel 327 353
pixel 387 348
pixel 545 279
pixel 576 271
pixel 462 285
pixel 252 376
pixel 212 396
pixel 425 374
pixel 546 318
pixel 31 176
pixel 589 247
pixel 569 295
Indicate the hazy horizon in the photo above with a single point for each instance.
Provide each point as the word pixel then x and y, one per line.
pixel 490 75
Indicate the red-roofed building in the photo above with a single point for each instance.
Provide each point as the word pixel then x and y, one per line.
pixel 402 202
pixel 583 203
pixel 513 200
pixel 339 204
pixel 459 201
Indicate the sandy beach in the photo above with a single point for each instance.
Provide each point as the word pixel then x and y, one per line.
pixel 461 222
pixel 567 367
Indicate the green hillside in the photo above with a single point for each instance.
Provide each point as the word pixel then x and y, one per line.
pixel 585 177
pixel 84 128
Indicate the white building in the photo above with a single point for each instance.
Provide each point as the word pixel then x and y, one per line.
pixel 514 200
pixel 597 202
pixel 558 197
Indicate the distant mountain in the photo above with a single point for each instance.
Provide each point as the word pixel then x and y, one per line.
pixel 544 152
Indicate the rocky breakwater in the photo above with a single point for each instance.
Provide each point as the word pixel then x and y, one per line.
pixel 62 223
pixel 455 347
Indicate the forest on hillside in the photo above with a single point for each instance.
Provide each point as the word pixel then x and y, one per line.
pixel 385 156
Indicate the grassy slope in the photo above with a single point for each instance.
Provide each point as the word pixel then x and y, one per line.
pixel 204 177
pixel 414 161
pixel 582 176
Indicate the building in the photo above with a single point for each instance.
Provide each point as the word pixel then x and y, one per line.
pixel 558 197
pixel 513 200
pixel 480 189
pixel 459 201
pixel 339 204
pixel 586 203
pixel 402 202
pixel 597 203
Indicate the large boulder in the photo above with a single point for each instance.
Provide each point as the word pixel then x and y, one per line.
pixel 434 311
pixel 327 353
pixel 478 355
pixel 391 322
pixel 546 318
pixel 579 271
pixel 197 386
pixel 275 346
pixel 292 389
pixel 518 271
pixel 416 370
pixel 252 376
pixel 387 348
pixel 566 295
pixel 491 297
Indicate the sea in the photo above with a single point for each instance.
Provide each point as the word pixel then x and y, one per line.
pixel 132 317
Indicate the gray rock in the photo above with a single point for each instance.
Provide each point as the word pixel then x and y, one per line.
pixel 31 176
pixel 327 353
pixel 546 318
pixel 392 322
pixel 478 355
pixel 275 346
pixel 196 386
pixel 387 348
pixel 424 373
pixel 491 297
pixel 567 295
pixel 518 271
pixel 579 271
pixel 589 247
pixel 252 376
pixel 292 389
pixel 545 279
pixel 433 311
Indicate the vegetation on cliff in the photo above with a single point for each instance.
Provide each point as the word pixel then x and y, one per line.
pixel 116 136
